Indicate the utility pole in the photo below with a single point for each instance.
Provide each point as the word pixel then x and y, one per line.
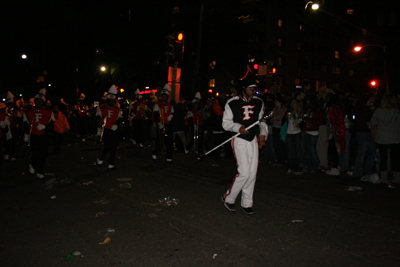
pixel 195 81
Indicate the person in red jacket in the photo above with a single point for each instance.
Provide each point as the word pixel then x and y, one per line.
pixel 109 121
pixel 61 125
pixel 312 119
pixel 39 123
pixel 337 132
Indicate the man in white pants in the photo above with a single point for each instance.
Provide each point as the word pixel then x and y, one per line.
pixel 240 112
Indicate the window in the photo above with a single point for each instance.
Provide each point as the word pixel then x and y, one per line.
pixel 337 54
pixel 336 70
pixel 175 10
pixel 281 61
pixel 364 31
pixel 280 22
pixel 212 64
pixel 350 11
pixel 211 83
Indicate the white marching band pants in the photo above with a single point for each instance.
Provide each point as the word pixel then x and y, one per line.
pixel 246 154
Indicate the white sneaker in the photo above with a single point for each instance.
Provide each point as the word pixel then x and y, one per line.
pixel 5 157
pixel 333 171
pixel 154 157
pixel 40 176
pixel 31 169
pixel 99 162
pixel 110 166
pixel 140 145
pixel 169 160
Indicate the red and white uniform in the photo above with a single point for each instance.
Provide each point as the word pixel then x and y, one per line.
pixel 108 114
pixel 240 111
pixel 35 118
pixel 3 123
pixel 166 110
pixel 138 110
pixel 196 115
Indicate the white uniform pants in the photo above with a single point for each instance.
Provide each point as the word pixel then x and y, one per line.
pixel 246 154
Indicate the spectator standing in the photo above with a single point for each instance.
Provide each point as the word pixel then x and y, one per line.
pixel 386 122
pixel 278 119
pixel 293 138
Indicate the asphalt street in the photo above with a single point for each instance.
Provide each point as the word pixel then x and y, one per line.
pixel 307 220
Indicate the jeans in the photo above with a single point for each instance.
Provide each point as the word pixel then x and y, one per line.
pixel 269 150
pixel 344 159
pixel 293 145
pixel 279 145
pixel 365 156
pixel 311 146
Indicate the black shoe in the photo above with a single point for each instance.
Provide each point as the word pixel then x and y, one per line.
pixel 248 211
pixel 230 207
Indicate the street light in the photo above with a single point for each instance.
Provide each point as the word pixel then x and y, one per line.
pixel 314 6
pixel 103 69
pixel 359 48
pixel 23 56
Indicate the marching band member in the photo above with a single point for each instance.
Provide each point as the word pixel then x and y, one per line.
pixel 39 123
pixel 80 111
pixel 240 112
pixel 162 115
pixel 109 121
pixel 195 120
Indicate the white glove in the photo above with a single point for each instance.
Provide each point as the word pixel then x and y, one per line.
pixel 114 127
pixel 2 124
pixel 40 127
pixel 169 118
pixel 26 137
pixel 98 132
pixel 160 125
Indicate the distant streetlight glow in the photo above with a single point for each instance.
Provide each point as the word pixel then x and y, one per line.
pixel 103 69
pixel 23 56
pixel 357 48
pixel 314 6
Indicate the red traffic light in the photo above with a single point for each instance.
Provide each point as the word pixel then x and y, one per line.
pixel 373 83
pixel 179 37
pixel 256 66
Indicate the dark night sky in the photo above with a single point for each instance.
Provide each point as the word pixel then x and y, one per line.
pixel 61 35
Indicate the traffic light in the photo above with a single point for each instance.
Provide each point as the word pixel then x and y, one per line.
pixel 373 83
pixel 179 37
pixel 179 46
pixel 256 66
